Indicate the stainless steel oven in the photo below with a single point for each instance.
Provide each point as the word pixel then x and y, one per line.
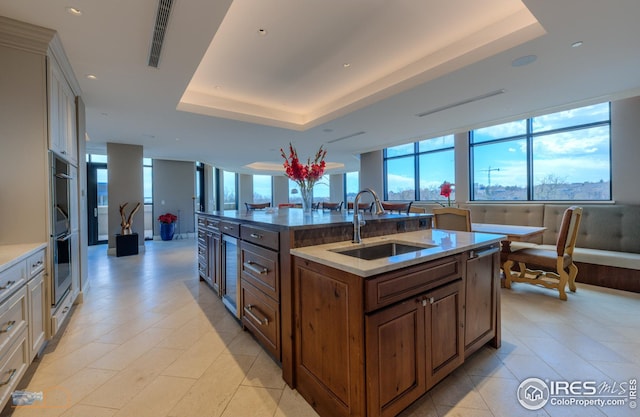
pixel 61 237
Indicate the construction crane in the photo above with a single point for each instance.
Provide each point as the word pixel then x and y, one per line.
pixel 488 171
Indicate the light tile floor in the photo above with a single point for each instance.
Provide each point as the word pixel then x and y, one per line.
pixel 151 340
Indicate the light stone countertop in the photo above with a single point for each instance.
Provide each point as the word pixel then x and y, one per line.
pixel 12 254
pixel 445 243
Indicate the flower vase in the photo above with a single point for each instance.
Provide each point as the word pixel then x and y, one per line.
pixel 307 200
pixel 167 230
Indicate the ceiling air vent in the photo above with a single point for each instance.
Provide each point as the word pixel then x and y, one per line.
pixel 463 102
pixel 162 19
pixel 346 137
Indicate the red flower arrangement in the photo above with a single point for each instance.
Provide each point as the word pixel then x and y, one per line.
pixel 167 218
pixel 445 191
pixel 304 175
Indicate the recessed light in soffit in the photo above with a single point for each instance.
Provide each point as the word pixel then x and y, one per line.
pixel 523 60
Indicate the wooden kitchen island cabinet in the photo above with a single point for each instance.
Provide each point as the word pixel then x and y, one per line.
pixel 371 346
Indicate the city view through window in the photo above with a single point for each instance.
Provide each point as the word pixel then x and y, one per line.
pixel 559 156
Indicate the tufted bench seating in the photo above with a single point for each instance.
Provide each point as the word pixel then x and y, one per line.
pixel 608 248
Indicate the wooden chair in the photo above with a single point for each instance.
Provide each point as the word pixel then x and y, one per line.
pixel 257 206
pixel 416 209
pixel 397 206
pixel 452 218
pixel 361 206
pixel 285 205
pixel 558 260
pixel 332 206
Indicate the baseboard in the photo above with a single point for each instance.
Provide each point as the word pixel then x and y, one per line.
pixel 609 276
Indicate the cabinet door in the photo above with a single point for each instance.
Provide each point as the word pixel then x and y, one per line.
pixel 443 328
pixel 55 80
pixel 62 115
pixel 481 292
pixel 69 125
pixel 36 303
pixel 395 357
pixel 213 270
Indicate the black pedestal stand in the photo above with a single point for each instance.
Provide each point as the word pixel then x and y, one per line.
pixel 127 244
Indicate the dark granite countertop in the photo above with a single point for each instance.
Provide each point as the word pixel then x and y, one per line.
pixel 294 218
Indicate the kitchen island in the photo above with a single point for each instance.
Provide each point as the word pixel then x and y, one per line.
pixel 244 257
pixel 358 332
pixel 375 330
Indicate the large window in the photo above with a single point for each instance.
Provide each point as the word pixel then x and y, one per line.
pixel 262 188
pixel 416 170
pixel 351 185
pixel 320 191
pixel 230 185
pixel 559 156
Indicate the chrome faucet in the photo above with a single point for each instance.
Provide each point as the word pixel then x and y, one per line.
pixel 357 223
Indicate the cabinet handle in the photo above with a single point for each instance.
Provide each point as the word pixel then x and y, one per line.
pixel 37 264
pixel 13 373
pixel 485 252
pixel 7 285
pixel 256 268
pixel 255 236
pixel 10 324
pixel 248 310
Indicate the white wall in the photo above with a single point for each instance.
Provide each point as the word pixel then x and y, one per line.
pixel 625 150
pixel 174 185
pixel 126 185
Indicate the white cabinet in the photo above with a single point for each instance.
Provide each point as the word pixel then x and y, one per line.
pixel 62 115
pixel 36 302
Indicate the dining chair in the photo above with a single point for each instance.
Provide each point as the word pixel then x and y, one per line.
pixel 361 206
pixel 257 206
pixel 332 206
pixel 416 209
pixel 558 261
pixel 285 205
pixel 452 218
pixel 400 207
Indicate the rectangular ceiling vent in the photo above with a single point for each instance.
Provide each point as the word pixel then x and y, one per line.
pixel 162 19
pixel 463 102
pixel 346 137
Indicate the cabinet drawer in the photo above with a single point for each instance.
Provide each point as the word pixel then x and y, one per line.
pixel 261 315
pixel 260 266
pixel 213 225
pixel 202 237
pixel 13 366
pixel 13 317
pixel 411 281
pixel 12 278
pixel 229 228
pixel 260 236
pixel 35 263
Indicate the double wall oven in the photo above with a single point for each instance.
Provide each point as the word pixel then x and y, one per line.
pixel 61 227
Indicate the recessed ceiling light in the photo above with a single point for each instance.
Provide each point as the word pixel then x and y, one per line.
pixel 346 65
pixel 262 32
pixel 327 130
pixel 577 44
pixel 523 60
pixel 92 77
pixel 73 11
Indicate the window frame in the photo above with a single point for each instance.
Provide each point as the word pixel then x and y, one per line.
pixel 416 154
pixel 529 137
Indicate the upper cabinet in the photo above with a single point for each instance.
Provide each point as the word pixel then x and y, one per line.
pixel 63 138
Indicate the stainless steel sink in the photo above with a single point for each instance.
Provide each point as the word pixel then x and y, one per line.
pixel 382 250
